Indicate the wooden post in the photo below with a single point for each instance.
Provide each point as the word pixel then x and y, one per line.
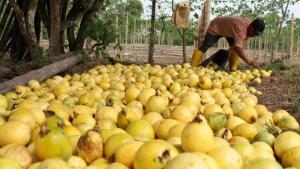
pixel 252 46
pixel 219 44
pixel 259 47
pixel 267 46
pixel 248 45
pixel 291 50
pixel 255 47
pixel 224 43
pixel 159 36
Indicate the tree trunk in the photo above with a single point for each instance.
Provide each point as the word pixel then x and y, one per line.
pixel 184 45
pixel 2 4
pixel 298 47
pixel 28 34
pixel 142 36
pixel 152 33
pixel 283 46
pixel 5 15
pixel 64 7
pixel 76 12
pixel 291 49
pixel 44 14
pixel 32 7
pixel 7 21
pixel 278 31
pixel 146 36
pixel 54 41
pixel 204 22
pixel 42 73
pixel 87 17
pixel 183 38
pixel 18 44
pixel 134 33
pixel 117 50
pixel 126 31
pixel 267 45
pixel 37 27
pixel 7 34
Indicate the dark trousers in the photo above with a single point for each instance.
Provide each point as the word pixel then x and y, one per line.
pixel 220 58
pixel 210 40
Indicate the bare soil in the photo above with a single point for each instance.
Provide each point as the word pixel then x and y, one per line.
pixel 281 90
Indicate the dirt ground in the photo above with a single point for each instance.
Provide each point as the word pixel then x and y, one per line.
pixel 281 90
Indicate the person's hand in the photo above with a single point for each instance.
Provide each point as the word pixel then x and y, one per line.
pixel 253 64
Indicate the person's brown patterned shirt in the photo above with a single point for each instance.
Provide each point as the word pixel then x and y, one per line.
pixel 231 27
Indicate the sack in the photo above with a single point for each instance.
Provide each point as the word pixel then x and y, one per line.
pixel 181 15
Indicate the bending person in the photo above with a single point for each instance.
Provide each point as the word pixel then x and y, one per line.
pixel 237 31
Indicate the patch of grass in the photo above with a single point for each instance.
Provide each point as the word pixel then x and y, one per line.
pixel 126 62
pixel 245 67
pixel 296 70
pixel 296 105
pixel 42 60
pixel 277 66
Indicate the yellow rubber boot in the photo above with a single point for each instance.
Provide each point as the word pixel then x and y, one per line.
pixel 197 57
pixel 234 60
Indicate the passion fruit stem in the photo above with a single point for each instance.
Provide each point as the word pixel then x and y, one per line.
pixel 198 118
pixel 95 128
pixel 225 134
pixel 110 102
pixel 123 112
pixel 227 116
pixel 111 159
pixel 75 114
pixel 272 128
pixel 61 124
pixel 253 119
pixel 44 131
pixel 165 157
pixel 49 113
pixel 158 92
